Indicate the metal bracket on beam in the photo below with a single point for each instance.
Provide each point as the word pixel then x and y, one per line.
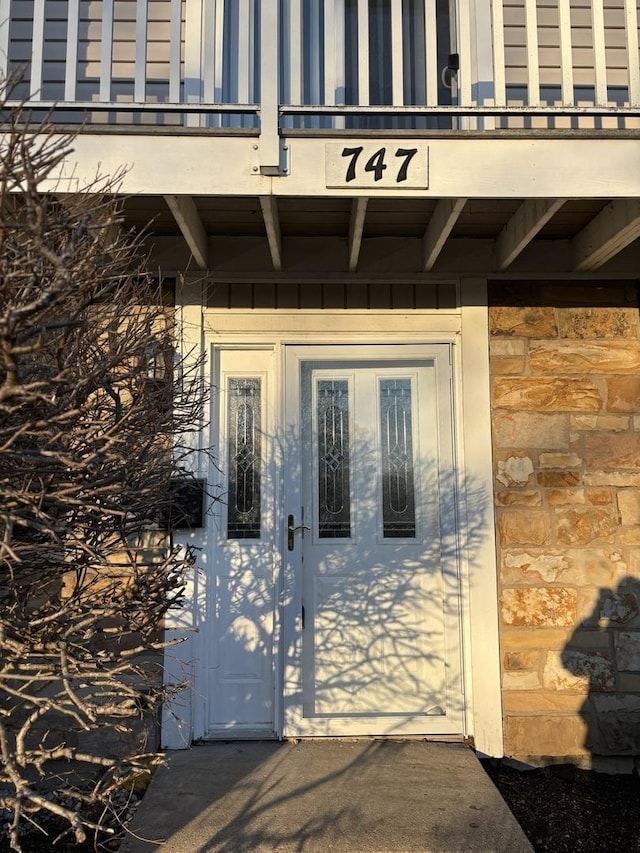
pixel 260 169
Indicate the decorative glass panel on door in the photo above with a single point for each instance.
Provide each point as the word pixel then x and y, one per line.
pixel 398 499
pixel 244 459
pixel 334 498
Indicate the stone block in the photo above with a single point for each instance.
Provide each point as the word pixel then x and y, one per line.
pixel 612 478
pixel 558 479
pixel 598 322
pixel 529 322
pixel 507 347
pixel 580 526
pixel 589 567
pixel 565 497
pixel 532 567
pixel 507 355
pixel 578 671
pixel 629 535
pixel 517 527
pixel 623 394
pixel 633 564
pixel 598 496
pixel 507 366
pixel 618 608
pixel 629 682
pixel 515 470
pixel 531 429
pixel 584 422
pixel 619 357
pixel 612 423
pixel 613 724
pixel 627 645
pixel 559 460
pixel 521 660
pixel 522 680
pixel 539 606
pixel 553 735
pixel 596 639
pixel 546 394
pixel 521 498
pixel 523 702
pixel 629 505
pixel 530 638
pixel 614 450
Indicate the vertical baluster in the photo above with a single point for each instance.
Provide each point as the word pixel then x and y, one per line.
pixel 175 44
pixel 313 81
pixel 240 70
pixel 363 53
pixel 533 61
pixel 340 59
pixel 218 92
pixel 5 25
pixel 329 53
pixel 209 50
pixel 71 59
pixel 599 53
pixel 397 54
pixel 37 51
pixel 432 71
pixel 334 58
pixel 465 77
pixel 566 52
pixel 193 58
pixel 106 51
pixel 480 11
pixel 633 66
pixel 269 57
pixel 292 82
pixel 140 80
pixel 499 61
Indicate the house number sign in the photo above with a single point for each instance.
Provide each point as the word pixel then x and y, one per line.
pixel 381 164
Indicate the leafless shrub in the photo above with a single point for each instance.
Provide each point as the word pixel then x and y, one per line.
pixel 92 407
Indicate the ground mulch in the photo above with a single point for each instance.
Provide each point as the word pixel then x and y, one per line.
pixel 566 810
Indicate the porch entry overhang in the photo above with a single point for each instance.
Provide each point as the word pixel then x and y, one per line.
pixel 334 590
pixel 478 205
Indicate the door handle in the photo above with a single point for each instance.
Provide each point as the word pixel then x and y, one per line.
pixel 291 531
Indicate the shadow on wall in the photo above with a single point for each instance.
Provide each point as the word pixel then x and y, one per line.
pixel 603 654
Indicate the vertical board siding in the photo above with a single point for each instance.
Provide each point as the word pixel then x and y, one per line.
pixel 331 295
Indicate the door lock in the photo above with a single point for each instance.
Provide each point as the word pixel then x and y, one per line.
pixel 292 530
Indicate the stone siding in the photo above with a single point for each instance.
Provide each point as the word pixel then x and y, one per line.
pixel 565 384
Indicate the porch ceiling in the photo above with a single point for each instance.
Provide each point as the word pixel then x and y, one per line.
pixel 442 236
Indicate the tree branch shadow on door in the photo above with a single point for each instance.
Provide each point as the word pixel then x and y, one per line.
pixel 380 644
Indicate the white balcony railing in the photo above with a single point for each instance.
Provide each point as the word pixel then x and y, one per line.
pixel 328 64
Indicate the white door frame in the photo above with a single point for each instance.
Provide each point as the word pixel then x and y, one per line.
pixel 467 329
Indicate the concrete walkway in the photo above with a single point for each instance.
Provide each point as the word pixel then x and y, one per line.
pixel 324 797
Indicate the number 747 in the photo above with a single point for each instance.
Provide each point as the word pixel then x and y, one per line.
pixel 376 163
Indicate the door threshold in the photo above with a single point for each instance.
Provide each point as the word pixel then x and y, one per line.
pixel 454 739
pixel 229 734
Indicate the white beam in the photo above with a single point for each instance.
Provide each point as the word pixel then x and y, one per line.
pixel 356 227
pixel 269 206
pixel 186 215
pixel 443 219
pixel 613 229
pixel 523 226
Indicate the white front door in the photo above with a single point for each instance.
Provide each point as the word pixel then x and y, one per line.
pixel 373 589
pixel 337 521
